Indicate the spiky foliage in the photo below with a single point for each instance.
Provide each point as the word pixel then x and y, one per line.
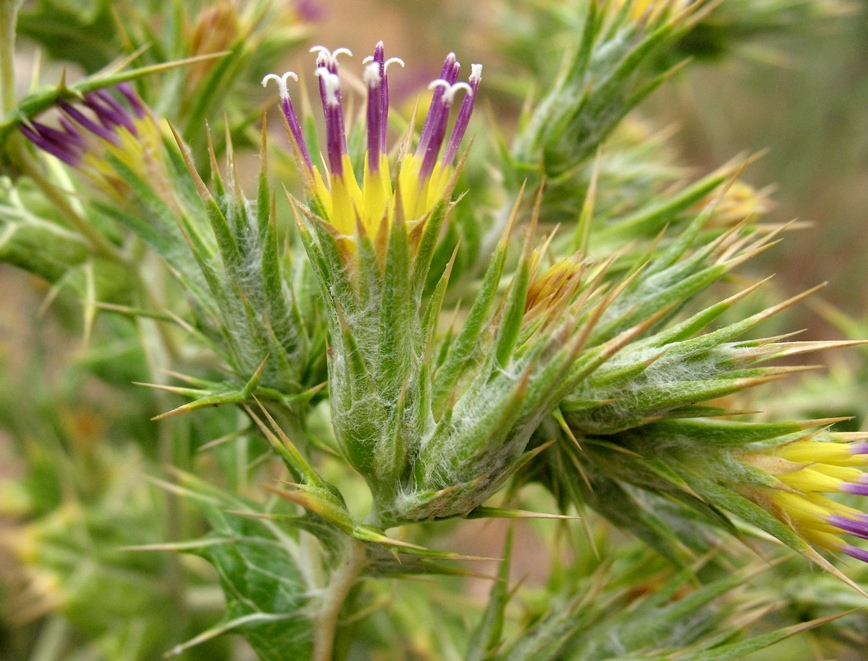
pixel 234 42
pixel 632 609
pixel 223 250
pixel 598 85
pixel 73 552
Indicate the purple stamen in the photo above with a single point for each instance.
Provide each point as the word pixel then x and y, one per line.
pixel 63 151
pixel 295 128
pixel 453 73
pixel 855 552
pixel 380 58
pixel 70 137
pixel 463 119
pixel 857 528
pixel 438 132
pixel 855 488
pixel 435 140
pixel 374 82
pixel 118 114
pixel 133 98
pixel 859 448
pixel 377 82
pixel 106 116
pixel 289 114
pixel 89 124
pixel 336 139
pixel 71 130
pixel 436 109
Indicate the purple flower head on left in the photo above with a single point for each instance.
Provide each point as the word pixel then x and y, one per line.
pixel 98 118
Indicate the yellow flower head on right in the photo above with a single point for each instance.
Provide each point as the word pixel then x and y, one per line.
pixel 806 470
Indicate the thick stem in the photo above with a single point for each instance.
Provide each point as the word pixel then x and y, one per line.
pixel 341 582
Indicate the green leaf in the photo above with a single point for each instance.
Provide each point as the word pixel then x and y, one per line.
pixel 739 650
pixel 265 590
pixel 461 350
pixel 76 31
pixel 398 315
pixel 486 636
pixel 267 594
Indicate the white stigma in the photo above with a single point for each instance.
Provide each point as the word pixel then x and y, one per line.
pixel 331 84
pixel 325 57
pixel 450 90
pixel 393 60
pixel 371 76
pixel 475 73
pixel 281 82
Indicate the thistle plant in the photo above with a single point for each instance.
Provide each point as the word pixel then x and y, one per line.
pixel 296 388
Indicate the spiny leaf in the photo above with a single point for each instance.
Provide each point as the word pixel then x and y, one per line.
pixel 486 636
pixel 462 348
pixel 738 650
pixel 33 104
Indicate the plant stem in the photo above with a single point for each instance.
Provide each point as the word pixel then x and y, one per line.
pixel 341 582
pixel 8 19
pixel 101 246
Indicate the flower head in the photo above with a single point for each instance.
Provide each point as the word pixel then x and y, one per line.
pixel 806 470
pixel 102 128
pixel 773 475
pixel 213 30
pixel 552 290
pixel 421 178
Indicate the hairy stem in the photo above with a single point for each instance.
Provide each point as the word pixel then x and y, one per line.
pixel 341 582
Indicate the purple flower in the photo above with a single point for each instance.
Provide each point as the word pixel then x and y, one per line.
pixel 423 177
pixel 99 118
